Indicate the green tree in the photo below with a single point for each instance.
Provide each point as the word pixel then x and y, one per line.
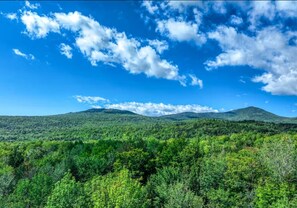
pixel 170 188
pixel 116 190
pixel 136 161
pixel 31 193
pixel 274 195
pixel 280 159
pixel 67 193
pixel 6 179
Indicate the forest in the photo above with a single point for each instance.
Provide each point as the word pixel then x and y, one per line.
pixel 127 161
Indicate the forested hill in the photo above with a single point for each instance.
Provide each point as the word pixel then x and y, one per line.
pixel 109 158
pixel 244 114
pixel 249 113
pixel 108 111
pixel 115 124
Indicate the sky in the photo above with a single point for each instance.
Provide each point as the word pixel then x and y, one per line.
pixel 150 57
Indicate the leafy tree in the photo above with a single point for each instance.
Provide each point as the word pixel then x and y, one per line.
pixel 271 195
pixel 212 173
pixel 82 160
pixel 7 179
pixel 169 188
pixel 170 152
pixel 280 159
pixel 67 193
pixel 136 161
pixel 31 193
pixel 116 190
pixel 240 178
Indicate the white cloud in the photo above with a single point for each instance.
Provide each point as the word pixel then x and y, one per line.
pixel 159 109
pixel 195 81
pixel 180 30
pixel 180 20
pixel 26 56
pixel 180 6
pixel 268 50
pixel 160 46
pixel 269 42
pixel 90 99
pixel 66 50
pixel 31 6
pixel 235 20
pixel 260 10
pixel 168 7
pixel 102 44
pixel 286 8
pixel 11 16
pixel 144 59
pixel 269 11
pixel 149 6
pixel 148 109
pixel 242 81
pixel 39 26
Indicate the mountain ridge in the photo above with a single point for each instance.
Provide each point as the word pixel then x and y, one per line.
pixel 241 114
pixel 248 113
pixel 108 110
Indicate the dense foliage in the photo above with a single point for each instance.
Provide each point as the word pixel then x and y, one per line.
pixel 88 125
pixel 87 162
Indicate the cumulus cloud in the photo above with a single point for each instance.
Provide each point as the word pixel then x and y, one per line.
pixel 90 99
pixel 262 13
pixel 180 30
pixel 66 50
pixel 181 20
pixel 26 56
pixel 31 6
pixel 260 10
pixel 102 44
pixel 148 109
pixel 159 109
pixel 11 16
pixel 38 26
pixel 149 6
pixel 267 41
pixel 180 6
pixel 160 46
pixel 286 8
pixel 269 50
pixel 235 20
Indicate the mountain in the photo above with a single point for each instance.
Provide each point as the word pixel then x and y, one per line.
pixel 104 116
pixel 249 113
pixel 253 113
pixel 108 111
pixel 111 123
pixel 243 114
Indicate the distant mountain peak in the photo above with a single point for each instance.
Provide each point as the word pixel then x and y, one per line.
pixel 252 110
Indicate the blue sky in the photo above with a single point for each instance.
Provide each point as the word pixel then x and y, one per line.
pixel 153 58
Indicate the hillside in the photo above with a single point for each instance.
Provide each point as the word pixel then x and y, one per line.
pixel 249 113
pixel 111 123
pixel 98 157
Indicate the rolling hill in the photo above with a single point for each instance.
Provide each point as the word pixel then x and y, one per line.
pixel 249 113
pixel 112 123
